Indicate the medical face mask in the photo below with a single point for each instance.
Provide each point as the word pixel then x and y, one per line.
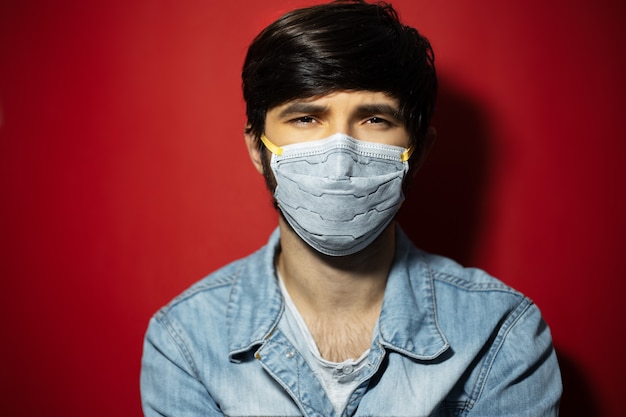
pixel 338 193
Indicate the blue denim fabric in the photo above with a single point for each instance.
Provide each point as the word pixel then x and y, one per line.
pixel 450 342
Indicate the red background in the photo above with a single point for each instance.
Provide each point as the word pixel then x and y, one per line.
pixel 124 178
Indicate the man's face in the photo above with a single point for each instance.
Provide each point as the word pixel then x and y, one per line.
pixel 364 115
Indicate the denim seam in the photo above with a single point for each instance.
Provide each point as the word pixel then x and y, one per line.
pixel 177 338
pixel 174 330
pixel 433 297
pixel 465 284
pixel 234 350
pixel 202 286
pixel 509 323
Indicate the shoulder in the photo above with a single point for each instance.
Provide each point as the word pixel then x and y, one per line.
pixel 211 285
pixel 448 272
pixel 196 318
pixel 445 272
pixel 207 299
pixel 214 290
pixel 471 306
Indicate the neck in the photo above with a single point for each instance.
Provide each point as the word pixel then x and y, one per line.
pixel 339 298
pixel 323 285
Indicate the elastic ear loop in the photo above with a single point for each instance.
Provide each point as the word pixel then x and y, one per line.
pixel 407 154
pixel 277 150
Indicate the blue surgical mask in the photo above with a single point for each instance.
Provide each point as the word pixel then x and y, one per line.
pixel 338 193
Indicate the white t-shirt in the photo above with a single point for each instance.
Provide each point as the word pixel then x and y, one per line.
pixel 339 379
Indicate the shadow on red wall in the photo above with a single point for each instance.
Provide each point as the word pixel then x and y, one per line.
pixel 579 398
pixel 442 213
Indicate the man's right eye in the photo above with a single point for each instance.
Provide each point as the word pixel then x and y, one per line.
pixel 303 120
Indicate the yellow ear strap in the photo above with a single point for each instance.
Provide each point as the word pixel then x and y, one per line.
pixel 276 150
pixel 407 154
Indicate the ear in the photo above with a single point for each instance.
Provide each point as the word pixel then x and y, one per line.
pixel 254 151
pixel 429 139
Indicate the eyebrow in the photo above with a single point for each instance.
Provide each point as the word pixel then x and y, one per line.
pixel 311 108
pixel 380 108
pixel 301 107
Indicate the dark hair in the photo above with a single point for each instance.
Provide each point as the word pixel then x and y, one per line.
pixel 343 45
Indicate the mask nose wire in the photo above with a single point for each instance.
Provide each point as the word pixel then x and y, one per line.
pixel 277 150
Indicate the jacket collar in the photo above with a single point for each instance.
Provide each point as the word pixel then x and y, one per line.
pixel 407 323
pixel 408 320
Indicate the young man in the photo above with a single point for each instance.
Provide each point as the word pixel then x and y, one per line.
pixel 339 314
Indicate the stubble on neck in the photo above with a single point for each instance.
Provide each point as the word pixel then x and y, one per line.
pixel 340 298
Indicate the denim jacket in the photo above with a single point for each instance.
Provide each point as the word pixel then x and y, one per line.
pixel 450 341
